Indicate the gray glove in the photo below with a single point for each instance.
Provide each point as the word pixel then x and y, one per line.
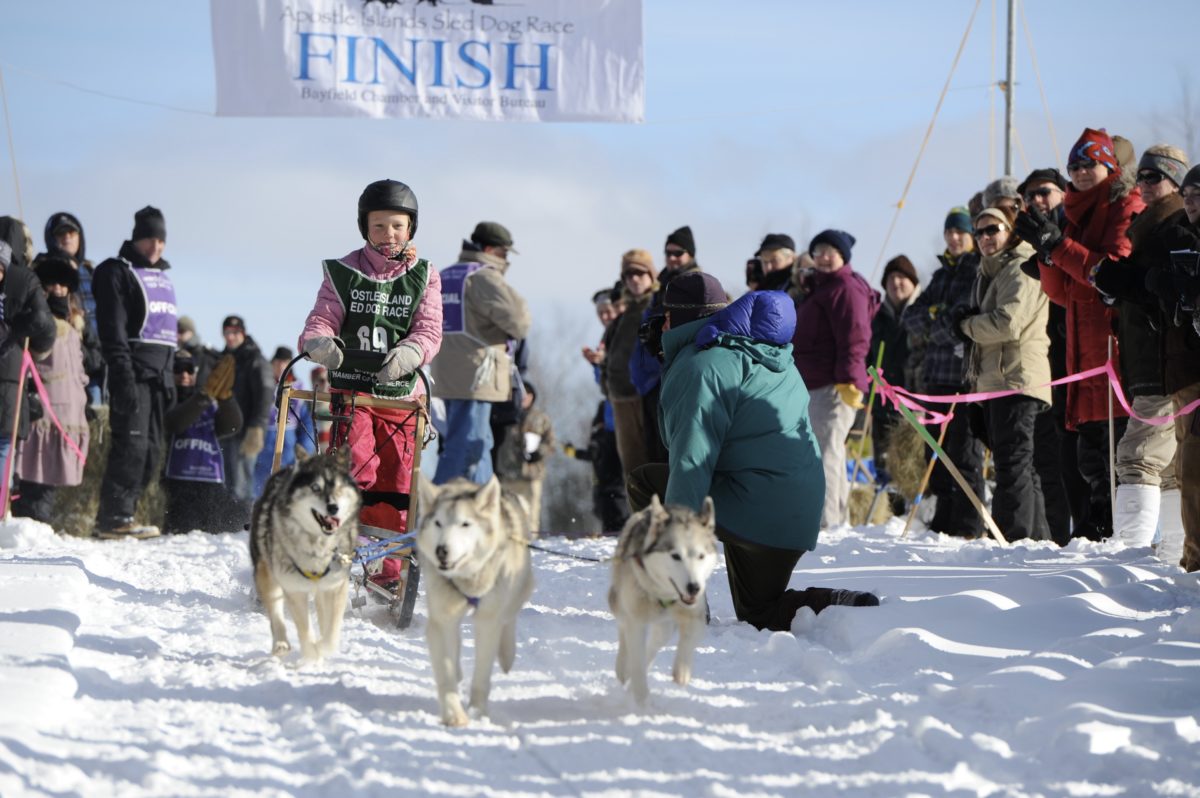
pixel 402 360
pixel 324 350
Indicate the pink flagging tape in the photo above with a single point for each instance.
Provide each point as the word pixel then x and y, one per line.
pixel 45 397
pixel 901 396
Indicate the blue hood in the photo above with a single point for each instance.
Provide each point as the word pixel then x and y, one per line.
pixel 767 317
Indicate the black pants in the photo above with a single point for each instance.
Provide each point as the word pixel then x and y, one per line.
pixel 34 500
pixel 955 514
pixel 137 439
pixel 758 574
pixel 1017 505
pixel 609 502
pixel 1048 462
pixel 1093 467
pixel 208 506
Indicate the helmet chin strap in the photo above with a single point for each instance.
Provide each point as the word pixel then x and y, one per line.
pixel 387 249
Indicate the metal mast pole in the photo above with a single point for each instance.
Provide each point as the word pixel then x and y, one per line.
pixel 1009 87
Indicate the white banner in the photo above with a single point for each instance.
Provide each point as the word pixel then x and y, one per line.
pixel 509 60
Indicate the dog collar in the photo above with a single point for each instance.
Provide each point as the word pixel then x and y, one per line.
pixel 312 575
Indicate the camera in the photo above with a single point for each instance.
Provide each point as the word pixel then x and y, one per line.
pixel 650 333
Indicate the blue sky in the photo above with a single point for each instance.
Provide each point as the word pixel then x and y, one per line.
pixel 762 116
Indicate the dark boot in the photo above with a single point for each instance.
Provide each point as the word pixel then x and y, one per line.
pixel 818 598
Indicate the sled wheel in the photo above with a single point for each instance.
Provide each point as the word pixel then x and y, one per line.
pixel 408 600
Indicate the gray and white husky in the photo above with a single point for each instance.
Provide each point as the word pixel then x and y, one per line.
pixel 664 558
pixel 302 537
pixel 473 546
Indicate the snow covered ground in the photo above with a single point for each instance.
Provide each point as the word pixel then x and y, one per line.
pixel 140 668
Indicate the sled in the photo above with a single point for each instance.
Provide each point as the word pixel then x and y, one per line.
pixel 387 563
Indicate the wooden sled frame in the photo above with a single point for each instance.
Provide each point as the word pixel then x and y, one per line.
pixel 401 601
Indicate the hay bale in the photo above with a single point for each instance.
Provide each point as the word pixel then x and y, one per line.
pixel 859 503
pixel 906 459
pixel 75 508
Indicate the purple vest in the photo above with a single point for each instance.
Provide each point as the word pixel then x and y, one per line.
pixel 454 282
pixel 161 318
pixel 195 454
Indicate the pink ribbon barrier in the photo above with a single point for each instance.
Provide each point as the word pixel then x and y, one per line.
pixel 898 396
pixel 27 364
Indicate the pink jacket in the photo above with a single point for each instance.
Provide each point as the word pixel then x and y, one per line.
pixel 426 331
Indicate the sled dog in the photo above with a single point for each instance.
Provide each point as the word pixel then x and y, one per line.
pixel 302 535
pixel 472 543
pixel 663 560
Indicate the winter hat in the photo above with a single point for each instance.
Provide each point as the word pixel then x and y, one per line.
pixel 5 255
pixel 901 264
pixel 493 234
pixel 692 296
pixel 1126 155
pixel 776 241
pixel 838 239
pixel 640 258
pixel 12 231
pixel 996 214
pixel 185 324
pixel 283 353
pixel 149 223
pixel 1170 162
pixel 1001 188
pixel 1043 176
pixel 1095 145
pixel 683 238
pixel 236 322
pixel 57 271
pixel 1192 178
pixel 602 297
pixel 959 218
pixel 62 222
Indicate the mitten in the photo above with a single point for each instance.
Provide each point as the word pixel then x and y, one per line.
pixel 850 395
pixel 402 360
pixel 252 443
pixel 324 350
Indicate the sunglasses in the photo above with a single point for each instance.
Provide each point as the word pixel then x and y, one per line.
pixel 625 275
pixel 1081 165
pixel 1044 191
pixel 184 367
pixel 674 253
pixel 990 230
pixel 1150 178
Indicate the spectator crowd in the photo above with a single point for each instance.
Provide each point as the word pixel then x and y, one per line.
pixel 1040 278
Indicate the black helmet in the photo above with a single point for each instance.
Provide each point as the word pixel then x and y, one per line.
pixel 387 195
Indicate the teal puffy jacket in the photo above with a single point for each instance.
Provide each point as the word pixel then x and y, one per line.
pixel 734 415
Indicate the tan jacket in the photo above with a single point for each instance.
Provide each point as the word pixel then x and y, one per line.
pixel 1012 348
pixel 476 365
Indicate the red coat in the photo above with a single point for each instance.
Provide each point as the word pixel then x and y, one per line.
pixel 1097 220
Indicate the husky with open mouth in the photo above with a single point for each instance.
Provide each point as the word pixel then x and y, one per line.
pixel 664 558
pixel 302 537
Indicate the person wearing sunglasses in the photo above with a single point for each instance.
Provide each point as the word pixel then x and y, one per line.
pixel 1146 452
pixel 194 477
pixel 1100 202
pixel 639 279
pixel 679 258
pixel 1009 350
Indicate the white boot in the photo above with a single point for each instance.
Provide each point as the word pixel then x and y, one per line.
pixel 1136 515
pixel 1170 524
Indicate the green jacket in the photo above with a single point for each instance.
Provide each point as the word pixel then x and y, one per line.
pixel 734 416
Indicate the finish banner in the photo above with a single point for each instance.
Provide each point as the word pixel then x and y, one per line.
pixel 498 60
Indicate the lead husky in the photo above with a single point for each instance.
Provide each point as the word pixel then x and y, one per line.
pixel 473 545
pixel 662 564
pixel 302 537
